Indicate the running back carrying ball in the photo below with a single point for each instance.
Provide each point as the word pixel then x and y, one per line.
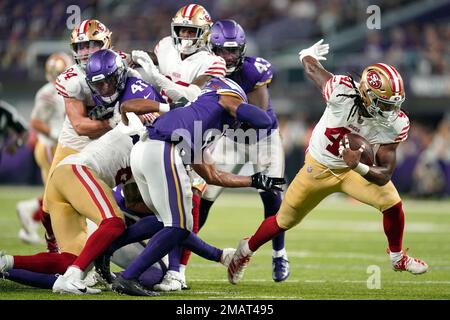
pixel 355 142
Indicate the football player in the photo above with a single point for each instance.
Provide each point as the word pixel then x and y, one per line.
pixel 371 108
pixel 253 74
pixel 184 66
pixel 175 140
pixel 47 118
pixel 78 128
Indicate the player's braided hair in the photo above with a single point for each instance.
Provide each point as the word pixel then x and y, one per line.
pixel 358 102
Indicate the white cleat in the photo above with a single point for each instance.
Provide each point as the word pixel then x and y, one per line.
pixel 239 262
pixel 91 278
pixel 5 262
pixel 66 285
pixel 30 238
pixel 227 255
pixel 412 265
pixel 25 210
pixel 172 281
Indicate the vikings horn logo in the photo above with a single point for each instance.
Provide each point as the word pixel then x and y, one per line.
pixel 374 79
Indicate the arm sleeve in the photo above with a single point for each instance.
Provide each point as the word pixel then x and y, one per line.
pixel 253 115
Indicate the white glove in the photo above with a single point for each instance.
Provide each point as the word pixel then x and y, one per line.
pixel 317 51
pixel 143 59
pixel 115 119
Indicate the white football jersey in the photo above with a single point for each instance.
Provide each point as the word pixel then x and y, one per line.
pixel 48 107
pixel 72 84
pixel 336 121
pixel 108 156
pixel 185 71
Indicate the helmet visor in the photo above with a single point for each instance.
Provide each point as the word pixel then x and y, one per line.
pixel 82 50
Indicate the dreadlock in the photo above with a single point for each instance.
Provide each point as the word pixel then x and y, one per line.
pixel 357 100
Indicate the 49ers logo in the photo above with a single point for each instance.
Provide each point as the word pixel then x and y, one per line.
pixel 374 79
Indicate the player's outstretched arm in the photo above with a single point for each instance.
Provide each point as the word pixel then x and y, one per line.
pixel 76 112
pixel 143 106
pixel 310 58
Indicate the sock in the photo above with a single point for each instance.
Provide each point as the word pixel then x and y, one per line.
pixel 395 256
pixel 394 223
pixel 143 229
pixel 186 254
pixel 108 230
pixel 205 206
pixel 29 278
pixel 158 246
pixel 174 258
pixel 201 248
pixel 45 262
pixel 266 231
pixel 183 269
pixel 272 203
pixel 38 213
pixel 279 253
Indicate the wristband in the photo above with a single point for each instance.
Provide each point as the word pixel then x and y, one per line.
pixel 362 169
pixel 164 107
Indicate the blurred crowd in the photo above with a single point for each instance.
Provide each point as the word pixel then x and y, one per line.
pixel 271 25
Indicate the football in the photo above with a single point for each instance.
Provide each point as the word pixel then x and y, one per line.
pixel 356 141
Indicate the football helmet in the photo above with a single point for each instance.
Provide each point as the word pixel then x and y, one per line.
pixel 227 40
pixel 89 36
pixel 106 75
pixel 192 16
pixel 383 92
pixel 55 64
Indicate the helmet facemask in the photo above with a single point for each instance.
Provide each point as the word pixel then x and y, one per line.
pixel 384 111
pixel 189 45
pixel 88 48
pixel 232 53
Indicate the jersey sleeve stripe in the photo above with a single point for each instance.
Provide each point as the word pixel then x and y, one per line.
pixel 216 68
pixel 212 73
pixel 60 86
pixel 62 93
pixel 327 89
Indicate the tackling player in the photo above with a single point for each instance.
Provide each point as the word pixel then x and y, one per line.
pixel 174 141
pixel 372 110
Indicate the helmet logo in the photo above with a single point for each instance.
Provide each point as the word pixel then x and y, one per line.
pixel 101 27
pixel 207 18
pixel 374 80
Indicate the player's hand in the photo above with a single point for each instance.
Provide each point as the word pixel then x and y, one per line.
pixel 101 113
pixel 317 51
pixel 143 59
pixel 263 182
pixel 351 157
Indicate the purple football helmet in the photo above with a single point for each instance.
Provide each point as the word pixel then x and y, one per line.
pixel 106 75
pixel 227 40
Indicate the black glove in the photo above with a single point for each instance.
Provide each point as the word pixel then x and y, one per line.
pixel 260 181
pixel 101 112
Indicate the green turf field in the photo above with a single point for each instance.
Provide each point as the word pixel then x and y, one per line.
pixel 330 253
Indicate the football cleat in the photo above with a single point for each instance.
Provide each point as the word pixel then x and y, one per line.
pixel 172 281
pixel 131 287
pixel 102 266
pixel 239 262
pixel 3 262
pixel 227 255
pixel 28 232
pixel 65 285
pixel 280 269
pixel 30 238
pixel 412 265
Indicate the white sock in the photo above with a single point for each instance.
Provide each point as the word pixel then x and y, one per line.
pixel 246 250
pixel 279 253
pixel 74 272
pixel 396 256
pixel 182 269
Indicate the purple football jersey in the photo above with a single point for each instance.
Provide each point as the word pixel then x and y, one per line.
pixel 255 72
pixel 200 121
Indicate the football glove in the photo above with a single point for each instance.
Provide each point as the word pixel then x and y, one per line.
pixel 263 182
pixel 143 59
pixel 101 113
pixel 317 51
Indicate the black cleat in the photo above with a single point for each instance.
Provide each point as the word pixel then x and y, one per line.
pixel 131 287
pixel 102 266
